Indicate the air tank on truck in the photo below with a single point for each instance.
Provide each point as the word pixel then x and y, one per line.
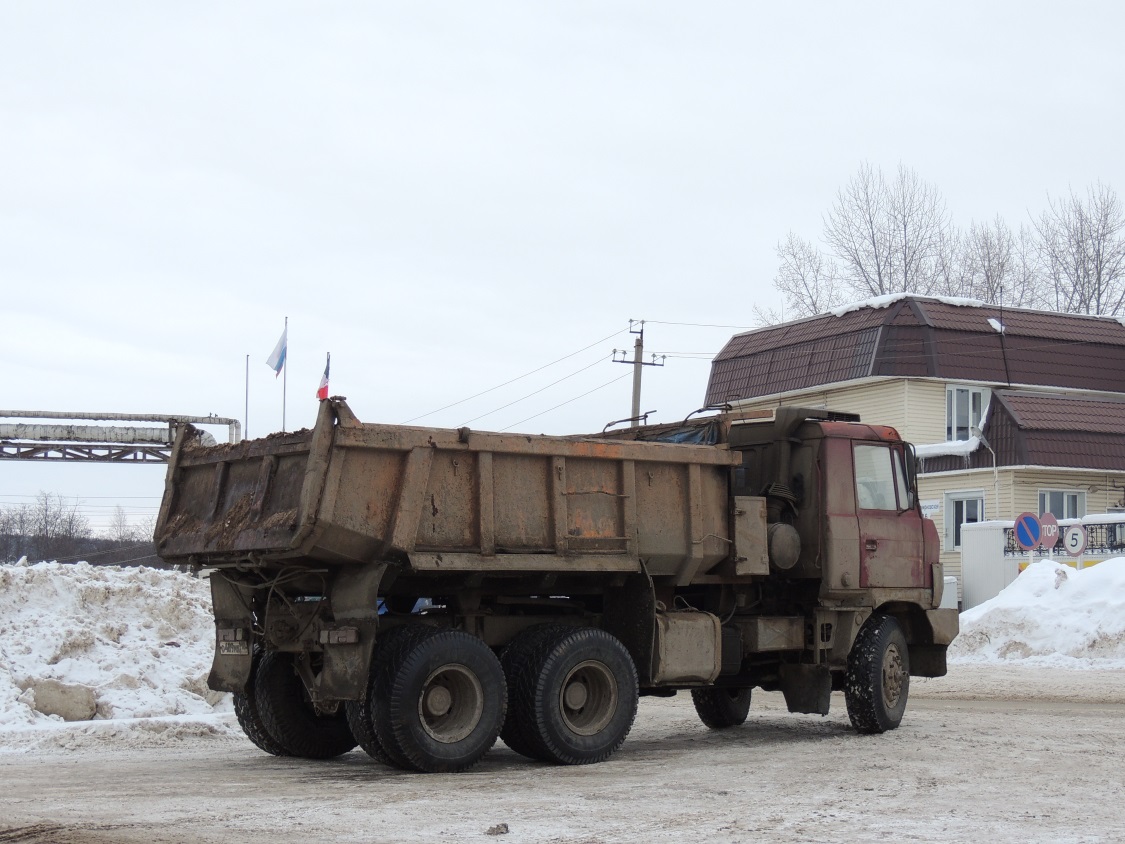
pixel 562 578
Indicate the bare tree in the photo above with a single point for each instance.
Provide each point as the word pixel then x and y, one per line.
pixel 120 530
pixel 953 278
pixel 857 229
pixel 806 278
pixel 57 527
pixel 1083 252
pixel 1025 285
pixel 889 237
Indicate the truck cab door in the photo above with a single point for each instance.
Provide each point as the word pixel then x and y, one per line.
pixel 891 552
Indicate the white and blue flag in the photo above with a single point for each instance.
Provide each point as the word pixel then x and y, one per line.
pixel 276 361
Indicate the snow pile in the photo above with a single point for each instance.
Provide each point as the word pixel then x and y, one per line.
pixel 135 642
pixel 1050 616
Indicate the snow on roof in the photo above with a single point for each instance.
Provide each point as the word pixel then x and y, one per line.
pixel 889 299
pixel 996 325
pixel 957 448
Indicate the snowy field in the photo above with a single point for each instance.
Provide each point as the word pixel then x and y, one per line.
pixel 1020 742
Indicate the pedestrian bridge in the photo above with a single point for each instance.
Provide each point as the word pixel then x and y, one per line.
pixel 61 435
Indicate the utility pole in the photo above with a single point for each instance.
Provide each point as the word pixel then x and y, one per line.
pixel 637 362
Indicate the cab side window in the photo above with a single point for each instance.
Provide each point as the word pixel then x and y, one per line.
pixel 875 478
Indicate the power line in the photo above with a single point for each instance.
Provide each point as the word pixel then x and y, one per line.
pixel 704 325
pixel 541 389
pixel 568 401
pixel 110 497
pixel 518 377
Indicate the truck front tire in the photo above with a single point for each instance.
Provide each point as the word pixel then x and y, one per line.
pixel 878 678
pixel 291 719
pixel 720 708
pixel 577 697
pixel 443 702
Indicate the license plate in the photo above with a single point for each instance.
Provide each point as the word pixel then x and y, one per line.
pixel 234 648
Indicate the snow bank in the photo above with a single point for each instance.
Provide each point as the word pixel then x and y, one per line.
pixel 139 639
pixel 1050 616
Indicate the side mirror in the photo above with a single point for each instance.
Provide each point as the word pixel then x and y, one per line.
pixel 911 473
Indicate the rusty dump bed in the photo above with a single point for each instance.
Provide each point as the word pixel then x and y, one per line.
pixel 448 500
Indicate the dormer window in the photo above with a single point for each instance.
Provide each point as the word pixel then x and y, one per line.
pixel 964 409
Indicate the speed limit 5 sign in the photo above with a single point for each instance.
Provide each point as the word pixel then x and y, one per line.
pixel 1074 540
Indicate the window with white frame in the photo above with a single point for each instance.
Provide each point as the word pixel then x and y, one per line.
pixel 1062 503
pixel 964 408
pixel 961 508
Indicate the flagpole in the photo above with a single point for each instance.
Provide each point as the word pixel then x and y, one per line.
pixel 246 412
pixel 285 375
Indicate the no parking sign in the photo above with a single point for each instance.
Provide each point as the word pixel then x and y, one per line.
pixel 1029 532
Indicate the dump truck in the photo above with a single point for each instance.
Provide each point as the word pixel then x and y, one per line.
pixel 420 592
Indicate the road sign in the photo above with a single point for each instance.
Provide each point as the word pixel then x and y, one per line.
pixel 1049 528
pixel 1074 540
pixel 1028 531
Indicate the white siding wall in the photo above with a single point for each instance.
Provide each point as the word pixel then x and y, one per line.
pixel 877 402
pixel 914 407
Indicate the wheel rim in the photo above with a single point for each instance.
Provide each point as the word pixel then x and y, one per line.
pixel 588 698
pixel 451 703
pixel 893 675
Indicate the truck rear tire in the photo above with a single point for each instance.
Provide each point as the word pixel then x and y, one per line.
pixel 578 699
pixel 361 713
pixel 291 719
pixel 250 719
pixel 720 708
pixel 878 679
pixel 444 704
pixel 514 659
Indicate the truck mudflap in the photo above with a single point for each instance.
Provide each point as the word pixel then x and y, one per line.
pixel 944 624
pixel 929 659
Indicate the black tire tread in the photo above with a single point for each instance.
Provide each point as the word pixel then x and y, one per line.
pixel 360 713
pixel 278 692
pixel 532 696
pixel 250 720
pixel 391 659
pixel 402 703
pixel 863 682
pixel 517 661
pixel 718 709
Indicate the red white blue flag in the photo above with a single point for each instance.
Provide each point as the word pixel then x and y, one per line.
pixel 322 392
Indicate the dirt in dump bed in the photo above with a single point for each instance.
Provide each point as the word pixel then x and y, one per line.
pixel 286 519
pixel 223 532
pixel 180 524
pixel 225 451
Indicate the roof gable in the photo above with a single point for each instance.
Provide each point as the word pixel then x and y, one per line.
pixel 919 337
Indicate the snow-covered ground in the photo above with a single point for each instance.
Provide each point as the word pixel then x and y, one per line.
pixel 139 640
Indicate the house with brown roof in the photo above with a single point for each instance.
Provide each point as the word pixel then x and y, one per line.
pixel 1010 410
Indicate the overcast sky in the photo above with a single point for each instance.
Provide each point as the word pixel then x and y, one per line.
pixel 448 195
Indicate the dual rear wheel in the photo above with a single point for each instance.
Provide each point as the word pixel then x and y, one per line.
pixel 436 700
pixel 572 694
